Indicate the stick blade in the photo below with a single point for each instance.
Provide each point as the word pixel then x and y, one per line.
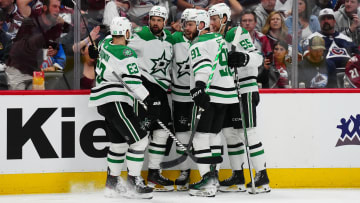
pixel 172 163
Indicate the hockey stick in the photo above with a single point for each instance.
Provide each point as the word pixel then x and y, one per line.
pixel 82 17
pixel 182 158
pixel 205 160
pixel 247 149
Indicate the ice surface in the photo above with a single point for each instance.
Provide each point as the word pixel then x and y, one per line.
pixel 275 196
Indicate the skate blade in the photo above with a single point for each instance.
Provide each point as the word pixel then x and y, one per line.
pixel 161 188
pixel 182 187
pixel 202 193
pixel 233 188
pixel 261 189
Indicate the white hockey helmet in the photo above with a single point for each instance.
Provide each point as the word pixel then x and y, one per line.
pixel 199 16
pixel 220 9
pixel 119 26
pixel 184 15
pixel 159 11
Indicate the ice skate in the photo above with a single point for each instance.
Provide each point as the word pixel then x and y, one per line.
pixel 182 182
pixel 115 186
pixel 159 182
pixel 236 183
pixel 261 183
pixel 136 188
pixel 206 187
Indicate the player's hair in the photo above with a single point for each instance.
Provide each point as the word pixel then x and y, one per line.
pixel 248 11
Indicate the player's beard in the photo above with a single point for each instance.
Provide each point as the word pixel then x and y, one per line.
pixel 155 30
pixel 190 35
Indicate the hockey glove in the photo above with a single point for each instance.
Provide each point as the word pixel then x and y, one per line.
pixel 237 59
pixel 199 96
pixel 153 108
pixel 93 52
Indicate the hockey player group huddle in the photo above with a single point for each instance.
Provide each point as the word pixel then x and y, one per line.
pixel 212 78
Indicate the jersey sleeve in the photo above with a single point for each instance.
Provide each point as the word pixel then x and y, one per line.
pixel 200 63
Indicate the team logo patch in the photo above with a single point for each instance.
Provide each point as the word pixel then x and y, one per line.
pixel 138 29
pixel 127 52
pixel 349 136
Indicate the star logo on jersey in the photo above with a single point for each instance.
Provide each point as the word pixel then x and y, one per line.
pixel 160 64
pixel 184 68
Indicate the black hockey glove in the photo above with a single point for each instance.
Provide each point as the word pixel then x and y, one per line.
pixel 199 96
pixel 237 59
pixel 153 108
pixel 93 52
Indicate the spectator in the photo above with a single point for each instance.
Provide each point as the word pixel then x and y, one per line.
pixel 5 41
pixel 139 10
pixel 319 5
pixel 54 58
pixel 197 4
pixel 348 20
pixel 352 71
pixel 284 6
pixel 26 7
pixel 14 18
pixel 88 78
pixel 262 12
pixel 261 42
pixel 35 33
pixel 275 29
pixel 338 47
pixel 115 8
pixel 308 23
pixel 314 72
pixel 277 73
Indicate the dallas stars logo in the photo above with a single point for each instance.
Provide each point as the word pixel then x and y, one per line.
pixel 184 68
pixel 160 64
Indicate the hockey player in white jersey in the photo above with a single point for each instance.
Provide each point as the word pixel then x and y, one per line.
pixel 153 45
pixel 213 89
pixel 118 64
pixel 180 93
pixel 247 59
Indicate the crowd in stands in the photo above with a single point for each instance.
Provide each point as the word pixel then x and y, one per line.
pixel 39 35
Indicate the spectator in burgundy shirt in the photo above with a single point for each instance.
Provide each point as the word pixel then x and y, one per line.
pixel 36 32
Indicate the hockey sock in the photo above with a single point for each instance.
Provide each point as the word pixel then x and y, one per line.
pixel 201 145
pixel 115 157
pixel 157 148
pixel 235 148
pixel 183 137
pixel 135 156
pixel 216 147
pixel 257 154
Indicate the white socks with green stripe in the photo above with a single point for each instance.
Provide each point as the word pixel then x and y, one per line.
pixel 157 148
pixel 257 154
pixel 116 157
pixel 135 156
pixel 235 148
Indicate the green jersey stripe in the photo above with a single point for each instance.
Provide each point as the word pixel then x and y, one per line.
pixel 180 93
pixel 111 93
pixel 236 152
pixel 133 82
pixel 222 95
pixel 155 152
pixel 202 66
pixel 248 85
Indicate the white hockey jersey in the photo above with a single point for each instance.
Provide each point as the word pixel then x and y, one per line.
pixel 241 39
pixel 180 87
pixel 208 62
pixel 116 61
pixel 154 55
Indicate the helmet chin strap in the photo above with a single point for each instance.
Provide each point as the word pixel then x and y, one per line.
pixel 221 25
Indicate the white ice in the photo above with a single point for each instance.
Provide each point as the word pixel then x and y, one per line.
pixel 275 196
